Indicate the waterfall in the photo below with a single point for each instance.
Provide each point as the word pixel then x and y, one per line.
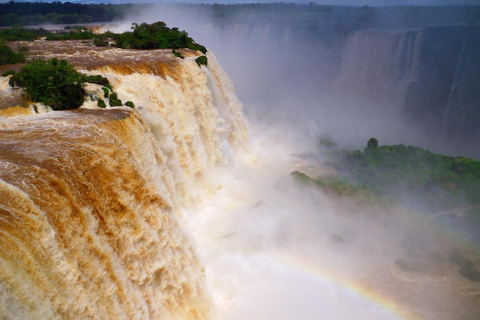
pixel 451 93
pixel 376 66
pixel 92 199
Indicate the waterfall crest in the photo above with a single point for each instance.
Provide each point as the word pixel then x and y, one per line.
pixel 89 212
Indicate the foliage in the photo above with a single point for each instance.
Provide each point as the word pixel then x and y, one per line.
pixel 76 34
pixel 202 60
pixel 155 36
pixel 398 172
pixel 96 79
pixel 113 101
pixel 178 54
pixel 101 103
pixel 106 92
pixel 316 17
pixel 55 83
pixel 326 141
pixel 8 56
pixel 130 104
pixel 372 143
pixel 8 73
pixel 100 42
pixel 17 33
pixel 24 13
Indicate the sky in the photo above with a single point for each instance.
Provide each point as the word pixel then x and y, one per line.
pixel 329 2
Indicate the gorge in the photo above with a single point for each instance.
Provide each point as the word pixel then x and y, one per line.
pixel 179 209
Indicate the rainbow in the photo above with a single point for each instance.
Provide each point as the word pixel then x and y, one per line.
pixel 356 289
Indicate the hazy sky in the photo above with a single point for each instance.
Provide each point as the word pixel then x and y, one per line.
pixel 334 2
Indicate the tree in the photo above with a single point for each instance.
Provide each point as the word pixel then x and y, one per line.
pixel 8 56
pixel 372 143
pixel 55 83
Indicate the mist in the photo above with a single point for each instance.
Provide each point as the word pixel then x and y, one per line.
pixel 276 248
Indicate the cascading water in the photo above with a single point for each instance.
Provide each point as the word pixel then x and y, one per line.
pixel 91 198
pixel 169 211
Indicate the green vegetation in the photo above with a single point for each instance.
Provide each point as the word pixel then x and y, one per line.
pixel 8 73
pixel 372 143
pixel 202 60
pixel 144 36
pixel 113 101
pixel 97 79
pixel 81 33
pixel 24 13
pixel 130 104
pixel 101 103
pixel 314 16
pixel 106 92
pixel 178 54
pixel 445 188
pixel 9 56
pixel 55 83
pixel 155 36
pixel 100 41
pixel 398 171
pixel 327 142
pixel 23 34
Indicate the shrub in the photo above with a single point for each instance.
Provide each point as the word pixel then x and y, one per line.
pixel 178 54
pixel 96 79
pixel 80 34
pixel 99 42
pixel 18 33
pixel 55 83
pixel 202 60
pixel 8 73
pixel 155 36
pixel 326 141
pixel 196 46
pixel 113 101
pixel 372 143
pixel 101 103
pixel 8 56
pixel 130 104
pixel 106 92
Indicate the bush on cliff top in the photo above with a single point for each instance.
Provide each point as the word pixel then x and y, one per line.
pixel 55 83
pixel 156 36
pixel 202 60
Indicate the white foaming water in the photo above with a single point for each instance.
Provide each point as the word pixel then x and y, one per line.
pixel 193 114
pixel 249 230
pixel 276 248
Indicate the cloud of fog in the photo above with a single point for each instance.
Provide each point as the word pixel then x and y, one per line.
pixel 288 74
pixel 277 249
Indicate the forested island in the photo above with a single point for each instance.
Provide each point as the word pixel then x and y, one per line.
pixel 441 187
